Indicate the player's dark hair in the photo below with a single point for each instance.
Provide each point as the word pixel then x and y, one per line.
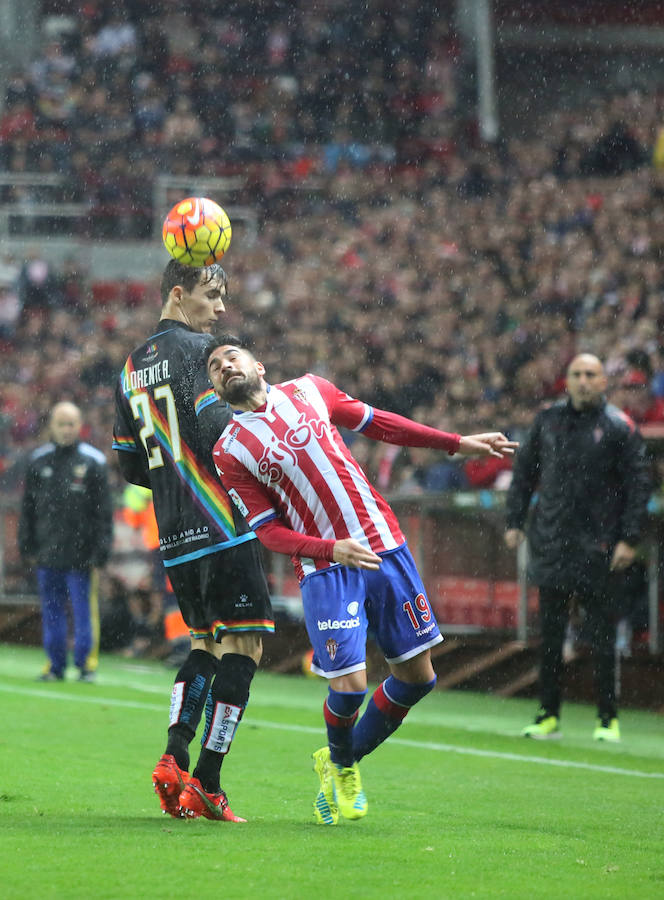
pixel 188 277
pixel 227 339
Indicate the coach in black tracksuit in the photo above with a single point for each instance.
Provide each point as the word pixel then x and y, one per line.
pixel 66 529
pixel 585 460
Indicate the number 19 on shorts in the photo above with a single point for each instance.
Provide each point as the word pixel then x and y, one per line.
pixel 418 611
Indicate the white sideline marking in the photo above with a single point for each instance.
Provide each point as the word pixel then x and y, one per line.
pixel 307 729
pixel 496 754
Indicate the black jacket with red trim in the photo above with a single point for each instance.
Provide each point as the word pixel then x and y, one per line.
pixel 590 478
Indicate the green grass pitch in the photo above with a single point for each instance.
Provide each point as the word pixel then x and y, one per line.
pixel 460 805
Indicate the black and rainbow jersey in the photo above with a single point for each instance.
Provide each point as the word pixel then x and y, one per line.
pixel 167 419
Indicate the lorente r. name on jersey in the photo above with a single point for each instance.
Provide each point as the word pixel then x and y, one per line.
pixel 167 418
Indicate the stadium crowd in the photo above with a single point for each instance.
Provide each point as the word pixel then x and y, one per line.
pixel 417 267
pixel 122 93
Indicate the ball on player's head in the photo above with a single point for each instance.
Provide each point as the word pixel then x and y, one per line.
pixel 197 232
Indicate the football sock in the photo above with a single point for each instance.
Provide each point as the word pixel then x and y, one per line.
pixel 385 712
pixel 227 701
pixel 188 697
pixel 340 711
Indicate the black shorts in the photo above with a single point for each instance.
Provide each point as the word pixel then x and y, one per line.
pixel 224 592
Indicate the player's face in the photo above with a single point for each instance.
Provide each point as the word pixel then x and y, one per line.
pixel 586 381
pixel 237 377
pixel 204 305
pixel 65 426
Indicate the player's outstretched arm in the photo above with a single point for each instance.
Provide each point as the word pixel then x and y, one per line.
pixel 492 443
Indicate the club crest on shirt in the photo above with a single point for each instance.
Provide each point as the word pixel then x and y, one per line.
pixel 331 646
pixel 79 471
pixel 300 394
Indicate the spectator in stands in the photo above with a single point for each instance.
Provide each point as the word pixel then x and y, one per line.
pixel 117 38
pixel 586 461
pixel 36 282
pixel 54 62
pixel 18 123
pixel 182 127
pixel 18 89
pixel 65 529
pixel 422 471
pixel 150 104
pixel 637 398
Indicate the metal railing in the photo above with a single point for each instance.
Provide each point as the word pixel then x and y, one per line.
pixel 225 191
pixel 32 214
pixel 457 542
pixel 20 217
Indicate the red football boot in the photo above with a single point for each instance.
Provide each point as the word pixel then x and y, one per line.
pixel 169 781
pixel 195 802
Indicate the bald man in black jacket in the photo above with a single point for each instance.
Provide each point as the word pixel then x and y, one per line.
pixel 585 461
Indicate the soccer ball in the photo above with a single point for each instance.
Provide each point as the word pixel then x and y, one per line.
pixel 197 232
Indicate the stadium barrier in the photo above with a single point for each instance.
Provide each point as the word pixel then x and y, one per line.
pixel 474 583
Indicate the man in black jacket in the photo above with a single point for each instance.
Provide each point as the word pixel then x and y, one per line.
pixel 66 527
pixel 586 460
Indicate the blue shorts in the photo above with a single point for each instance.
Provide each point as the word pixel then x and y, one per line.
pixel 341 604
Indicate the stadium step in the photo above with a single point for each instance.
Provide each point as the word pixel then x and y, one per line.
pixel 480 664
pixel 449 645
pixel 21 624
pixel 513 687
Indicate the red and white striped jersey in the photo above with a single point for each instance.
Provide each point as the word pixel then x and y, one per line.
pixel 287 460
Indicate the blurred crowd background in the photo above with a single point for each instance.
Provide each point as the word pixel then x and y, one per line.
pixel 419 267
